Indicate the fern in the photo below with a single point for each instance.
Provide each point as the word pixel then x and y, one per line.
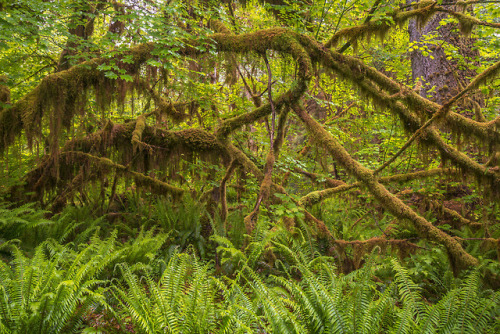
pixel 21 222
pixel 413 307
pixel 41 295
pixel 181 302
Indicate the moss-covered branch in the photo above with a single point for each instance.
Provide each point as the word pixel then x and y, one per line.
pixel 390 202
pixel 380 27
pixel 488 74
pixel 467 23
pixel 359 74
pixel 140 125
pixel 223 198
pixel 63 93
pixel 116 140
pixel 265 186
pixel 315 197
pixel 422 12
pixel 486 132
pixel 156 186
pixel 315 177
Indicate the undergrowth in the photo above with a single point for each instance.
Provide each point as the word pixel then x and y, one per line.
pixel 156 271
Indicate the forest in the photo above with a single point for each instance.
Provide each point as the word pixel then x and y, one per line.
pixel 249 166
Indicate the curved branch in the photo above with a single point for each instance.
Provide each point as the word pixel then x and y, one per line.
pixel 459 256
pixel 360 75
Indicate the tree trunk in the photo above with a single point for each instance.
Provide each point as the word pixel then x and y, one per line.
pixel 432 66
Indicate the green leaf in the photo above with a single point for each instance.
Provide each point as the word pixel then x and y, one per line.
pixel 111 75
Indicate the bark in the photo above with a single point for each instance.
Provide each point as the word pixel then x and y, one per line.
pixel 448 75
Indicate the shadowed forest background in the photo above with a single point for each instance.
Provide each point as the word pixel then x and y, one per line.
pixel 271 166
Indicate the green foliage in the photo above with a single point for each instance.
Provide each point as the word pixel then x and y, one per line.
pixel 172 75
pixel 183 300
pixel 183 223
pixel 22 222
pixel 319 301
pixel 53 290
pixel 278 283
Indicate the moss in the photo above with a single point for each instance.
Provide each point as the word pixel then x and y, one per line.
pixel 467 23
pixel 223 195
pixel 9 120
pixel 218 26
pixel 315 197
pixel 360 75
pixel 61 94
pixel 232 124
pixel 4 94
pixel 116 140
pixel 482 78
pixel 266 181
pixel 384 197
pixel 379 28
pixel 364 247
pixel 415 102
pixel 156 186
pixel 140 125
pixel 318 196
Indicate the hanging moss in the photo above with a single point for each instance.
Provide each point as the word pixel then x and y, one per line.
pixel 155 186
pixel 175 111
pixel 4 92
pixel 218 26
pixel 467 23
pixel 140 125
pixel 64 196
pixel 115 148
pixel 365 247
pixel 353 69
pixel 379 28
pixel 390 202
pixel 62 94
pixel 482 78
pixel 116 139
pixel 8 117
pixel 360 75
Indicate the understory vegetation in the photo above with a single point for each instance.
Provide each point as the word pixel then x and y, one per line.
pixel 249 166
pixel 78 273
